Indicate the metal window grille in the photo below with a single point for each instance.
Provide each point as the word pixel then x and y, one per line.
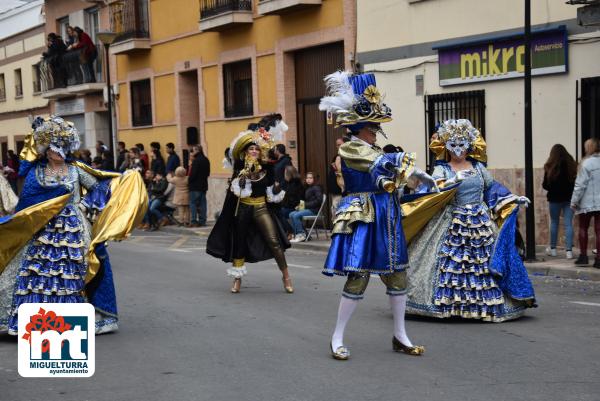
pixel 37 83
pixel 2 94
pixel 210 8
pixel 445 106
pixel 141 103
pixel 237 85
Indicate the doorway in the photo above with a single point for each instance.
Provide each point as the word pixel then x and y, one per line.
pixel 590 109
pixel 189 112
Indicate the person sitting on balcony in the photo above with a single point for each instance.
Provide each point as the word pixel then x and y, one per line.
pixel 88 54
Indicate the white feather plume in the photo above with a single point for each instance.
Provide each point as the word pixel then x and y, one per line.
pixel 340 96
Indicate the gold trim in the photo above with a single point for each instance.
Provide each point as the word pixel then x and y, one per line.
pixel 253 201
pixel 238 262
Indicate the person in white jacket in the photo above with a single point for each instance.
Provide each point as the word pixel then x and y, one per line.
pixel 8 199
pixel 586 199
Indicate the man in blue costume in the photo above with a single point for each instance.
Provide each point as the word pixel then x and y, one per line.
pixel 368 237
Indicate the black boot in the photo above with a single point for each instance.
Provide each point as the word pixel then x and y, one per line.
pixel 582 260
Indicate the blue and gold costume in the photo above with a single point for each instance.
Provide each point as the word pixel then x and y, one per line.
pixel 51 252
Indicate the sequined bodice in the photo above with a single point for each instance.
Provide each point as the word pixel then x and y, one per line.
pixel 357 181
pixel 72 181
pixel 471 190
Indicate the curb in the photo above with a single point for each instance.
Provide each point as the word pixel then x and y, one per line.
pixel 542 269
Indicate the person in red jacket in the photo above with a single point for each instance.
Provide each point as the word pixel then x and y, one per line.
pixel 88 54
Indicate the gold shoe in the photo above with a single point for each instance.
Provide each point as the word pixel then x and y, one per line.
pixel 237 285
pixel 287 285
pixel 341 353
pixel 415 350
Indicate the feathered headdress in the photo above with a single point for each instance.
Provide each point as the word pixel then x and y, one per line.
pixel 353 100
pixel 55 133
pixel 265 133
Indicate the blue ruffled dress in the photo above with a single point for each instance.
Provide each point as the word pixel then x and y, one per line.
pixel 52 266
pixel 368 234
pixel 461 265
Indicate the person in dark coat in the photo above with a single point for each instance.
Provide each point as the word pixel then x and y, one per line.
pixel 293 195
pixel 13 164
pixel 559 180
pixel 313 197
pixel 157 163
pixel 107 161
pixel 173 160
pixel 283 160
pixel 122 151
pixel 198 186
pixel 54 58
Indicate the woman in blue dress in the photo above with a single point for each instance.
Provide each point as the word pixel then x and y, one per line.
pixel 49 253
pixel 465 263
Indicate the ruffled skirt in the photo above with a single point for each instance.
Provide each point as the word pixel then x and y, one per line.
pixel 450 268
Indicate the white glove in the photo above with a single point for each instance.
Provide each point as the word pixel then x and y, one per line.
pixel 425 179
pixel 523 200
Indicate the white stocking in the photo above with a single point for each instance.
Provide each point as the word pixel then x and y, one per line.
pixel 398 303
pixel 347 307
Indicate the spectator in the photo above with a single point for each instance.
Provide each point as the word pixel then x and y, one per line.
pixel 157 162
pixel 158 186
pixel 107 161
pixel 335 180
pixel 71 37
pixel 121 156
pixel 88 54
pixel 198 186
pixel 313 197
pixel 143 156
pixel 585 201
pixel 283 160
pixel 173 160
pixel 53 57
pixel 135 163
pixel 560 171
pixel 181 198
pixel 8 199
pixel 389 148
pixel 97 163
pixel 100 148
pixel 13 164
pixel 293 196
pixel 85 156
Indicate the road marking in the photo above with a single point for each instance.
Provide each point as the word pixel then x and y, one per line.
pixel 298 266
pixel 585 303
pixel 179 242
pixel 179 250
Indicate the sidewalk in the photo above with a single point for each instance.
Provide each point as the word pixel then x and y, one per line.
pixel 558 266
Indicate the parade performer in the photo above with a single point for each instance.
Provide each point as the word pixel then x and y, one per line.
pixel 368 236
pixel 247 231
pixel 53 248
pixel 465 263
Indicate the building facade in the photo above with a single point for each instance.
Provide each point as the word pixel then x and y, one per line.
pixel 198 72
pixel 464 59
pixel 75 93
pixel 22 42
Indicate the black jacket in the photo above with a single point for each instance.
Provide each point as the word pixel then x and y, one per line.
pixel 293 194
pixel 279 170
pixel 198 179
pixel 313 198
pixel 561 188
pixel 158 165
pixel 158 188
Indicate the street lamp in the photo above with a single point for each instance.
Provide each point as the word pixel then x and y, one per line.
pixel 107 39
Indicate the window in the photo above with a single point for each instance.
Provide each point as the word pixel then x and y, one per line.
pixel 18 83
pixel 141 103
pixel 92 26
pixel 442 107
pixel 590 104
pixel 237 85
pixel 63 24
pixel 35 73
pixel 2 88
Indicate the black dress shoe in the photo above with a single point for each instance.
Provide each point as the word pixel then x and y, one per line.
pixel 582 260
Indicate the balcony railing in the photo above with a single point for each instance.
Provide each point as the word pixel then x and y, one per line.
pixel 67 74
pixel 129 18
pixel 18 90
pixel 211 8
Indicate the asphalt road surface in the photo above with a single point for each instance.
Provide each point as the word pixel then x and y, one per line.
pixel 184 336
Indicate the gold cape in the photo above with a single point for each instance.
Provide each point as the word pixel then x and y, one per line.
pixel 123 212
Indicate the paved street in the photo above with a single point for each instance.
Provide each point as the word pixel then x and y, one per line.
pixel 183 336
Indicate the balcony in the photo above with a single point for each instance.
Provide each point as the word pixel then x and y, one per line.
pixel 66 76
pixel 217 15
pixel 279 7
pixel 129 18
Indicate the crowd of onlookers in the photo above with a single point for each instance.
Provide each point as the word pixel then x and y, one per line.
pixel 69 60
